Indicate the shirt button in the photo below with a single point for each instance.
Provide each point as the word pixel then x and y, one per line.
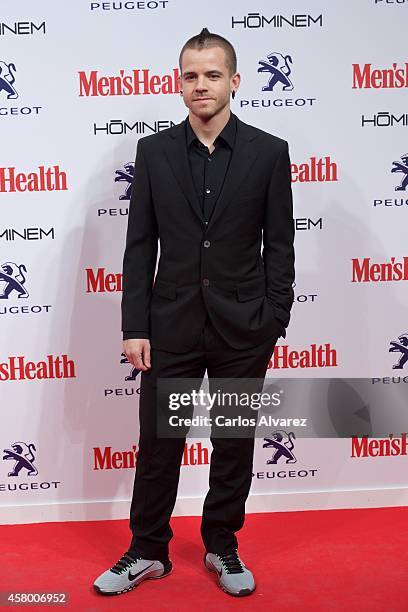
pixel 209 159
pixel 206 282
pixel 207 243
pixel 208 190
pixel 206 222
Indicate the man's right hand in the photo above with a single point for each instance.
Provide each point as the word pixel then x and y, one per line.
pixel 137 350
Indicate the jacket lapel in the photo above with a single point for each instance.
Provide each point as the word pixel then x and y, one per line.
pixel 242 159
pixel 176 153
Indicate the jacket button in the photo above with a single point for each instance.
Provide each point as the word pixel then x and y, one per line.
pixel 207 243
pixel 206 282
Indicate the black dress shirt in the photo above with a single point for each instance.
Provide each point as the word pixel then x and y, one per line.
pixel 208 171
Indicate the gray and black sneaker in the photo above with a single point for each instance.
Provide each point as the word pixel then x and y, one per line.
pixel 233 576
pixel 128 572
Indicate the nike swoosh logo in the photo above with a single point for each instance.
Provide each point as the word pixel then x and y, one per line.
pixel 134 576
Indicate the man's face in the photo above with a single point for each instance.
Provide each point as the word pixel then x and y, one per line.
pixel 206 82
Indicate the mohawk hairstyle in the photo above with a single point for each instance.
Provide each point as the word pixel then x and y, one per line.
pixel 206 40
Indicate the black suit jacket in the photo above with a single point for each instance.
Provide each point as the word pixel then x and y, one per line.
pixel 217 267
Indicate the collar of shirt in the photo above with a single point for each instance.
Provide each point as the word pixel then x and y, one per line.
pixel 227 134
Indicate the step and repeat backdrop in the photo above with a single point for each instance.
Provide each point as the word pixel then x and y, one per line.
pixel 80 82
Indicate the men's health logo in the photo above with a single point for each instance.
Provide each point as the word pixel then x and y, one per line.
pixel 104 458
pixel 99 281
pixel 42 179
pixel 393 446
pixel 400 346
pixel 282 444
pixel 12 276
pixel 315 356
pixel 17 367
pixel 7 78
pixel 125 175
pixel 278 68
pixel 314 170
pixel 364 270
pixel 136 82
pixel 23 457
pixel 367 76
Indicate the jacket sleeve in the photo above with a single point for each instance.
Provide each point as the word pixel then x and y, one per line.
pixel 131 335
pixel 139 261
pixel 278 238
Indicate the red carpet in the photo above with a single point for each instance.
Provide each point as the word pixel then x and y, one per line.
pixel 349 560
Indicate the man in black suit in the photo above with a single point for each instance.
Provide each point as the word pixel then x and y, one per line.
pixel 211 189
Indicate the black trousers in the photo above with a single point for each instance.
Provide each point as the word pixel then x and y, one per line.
pixel 159 459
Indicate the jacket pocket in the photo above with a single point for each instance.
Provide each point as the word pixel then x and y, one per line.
pixel 165 289
pixel 249 290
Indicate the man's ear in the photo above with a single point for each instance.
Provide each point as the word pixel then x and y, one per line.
pixel 236 80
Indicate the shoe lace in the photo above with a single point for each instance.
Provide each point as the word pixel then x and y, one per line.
pixel 232 563
pixel 123 564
